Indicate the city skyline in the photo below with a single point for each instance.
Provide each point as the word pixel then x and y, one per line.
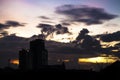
pixel 81 32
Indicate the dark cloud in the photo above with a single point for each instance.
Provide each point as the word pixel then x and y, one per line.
pixel 90 43
pixel 66 24
pixel 110 37
pixel 67 48
pixel 44 17
pixel 85 14
pixel 3 26
pixel 46 28
pixel 8 24
pixel 4 33
pixel 50 29
pixel 61 30
pixel 82 34
pixel 14 23
pixel 86 41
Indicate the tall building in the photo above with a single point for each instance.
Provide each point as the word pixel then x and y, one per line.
pixel 39 53
pixel 36 58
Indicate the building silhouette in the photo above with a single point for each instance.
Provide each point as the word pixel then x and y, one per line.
pixel 35 58
pixel 39 53
pixel 23 59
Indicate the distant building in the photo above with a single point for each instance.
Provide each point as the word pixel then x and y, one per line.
pixel 36 58
pixel 39 53
pixel 23 59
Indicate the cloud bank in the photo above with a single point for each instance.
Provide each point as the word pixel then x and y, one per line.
pixel 48 29
pixel 9 24
pixel 110 37
pixel 83 13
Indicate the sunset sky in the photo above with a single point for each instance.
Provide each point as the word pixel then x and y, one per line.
pixel 23 18
pixel 33 12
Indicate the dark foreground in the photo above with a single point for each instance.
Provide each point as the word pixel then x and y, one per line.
pixel 59 74
pixel 111 72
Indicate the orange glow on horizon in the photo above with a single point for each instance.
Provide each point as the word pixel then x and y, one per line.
pixel 98 60
pixel 15 61
pixel 115 50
